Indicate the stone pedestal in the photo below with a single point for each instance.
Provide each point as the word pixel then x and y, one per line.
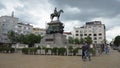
pixel 53 40
pixel 54 35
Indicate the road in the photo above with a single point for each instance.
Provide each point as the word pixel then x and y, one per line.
pixel 41 61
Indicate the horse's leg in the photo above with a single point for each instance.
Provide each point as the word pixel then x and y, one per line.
pixel 51 17
pixel 58 18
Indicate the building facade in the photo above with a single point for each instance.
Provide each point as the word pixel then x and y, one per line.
pixel 94 29
pixel 11 23
pixel 68 34
pixel 39 31
pixel 7 23
pixel 22 28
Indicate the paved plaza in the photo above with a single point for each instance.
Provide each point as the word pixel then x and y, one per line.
pixel 16 60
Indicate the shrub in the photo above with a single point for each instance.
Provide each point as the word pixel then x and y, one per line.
pixel 55 50
pixel 25 50
pixel 61 51
pixel 75 51
pixel 92 51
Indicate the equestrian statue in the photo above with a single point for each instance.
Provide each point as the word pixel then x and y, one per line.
pixel 56 14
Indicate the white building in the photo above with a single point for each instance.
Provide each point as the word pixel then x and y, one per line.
pixel 11 23
pixel 39 31
pixel 68 34
pixel 22 28
pixel 94 29
pixel 7 23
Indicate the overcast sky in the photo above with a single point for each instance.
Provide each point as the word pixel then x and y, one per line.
pixel 76 12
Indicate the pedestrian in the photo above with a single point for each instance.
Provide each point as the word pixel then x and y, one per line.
pixel 107 48
pixel 102 46
pixel 83 52
pixel 86 52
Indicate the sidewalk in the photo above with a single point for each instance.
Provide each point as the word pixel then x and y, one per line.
pixel 111 60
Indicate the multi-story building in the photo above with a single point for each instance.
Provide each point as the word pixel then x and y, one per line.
pixel 11 23
pixel 39 31
pixel 94 29
pixel 22 28
pixel 7 23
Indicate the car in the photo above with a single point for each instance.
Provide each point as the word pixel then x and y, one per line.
pixel 115 48
pixel 118 48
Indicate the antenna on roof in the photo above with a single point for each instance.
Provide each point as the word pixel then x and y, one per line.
pixel 12 14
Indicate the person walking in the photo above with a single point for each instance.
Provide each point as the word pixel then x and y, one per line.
pixel 107 48
pixel 86 52
pixel 83 52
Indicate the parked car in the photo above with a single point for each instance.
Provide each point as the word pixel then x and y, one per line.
pixel 115 48
pixel 119 49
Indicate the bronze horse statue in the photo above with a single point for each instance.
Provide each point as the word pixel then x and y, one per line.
pixel 56 14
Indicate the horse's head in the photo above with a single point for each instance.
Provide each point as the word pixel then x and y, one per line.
pixel 61 11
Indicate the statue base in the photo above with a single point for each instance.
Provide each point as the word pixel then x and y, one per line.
pixel 54 40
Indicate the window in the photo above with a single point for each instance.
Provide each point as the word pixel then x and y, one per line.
pixel 89 34
pixel 100 34
pixel 76 31
pixel 85 34
pixel 49 39
pixel 76 34
pixel 81 34
pixel 95 34
pixel 95 41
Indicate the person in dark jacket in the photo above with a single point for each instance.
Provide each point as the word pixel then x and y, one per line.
pixel 86 52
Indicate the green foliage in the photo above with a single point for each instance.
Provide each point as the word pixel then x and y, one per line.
pixel 31 50
pixel 75 51
pixel 70 49
pixel 29 39
pixel 82 41
pixel 88 40
pixel 117 41
pixel 25 50
pixel 47 49
pixel 92 51
pixel 54 50
pixel 76 41
pixel 12 36
pixel 7 49
pixel 39 47
pixel 70 40
pixel 61 51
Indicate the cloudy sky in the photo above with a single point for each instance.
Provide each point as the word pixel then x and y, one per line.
pixel 76 12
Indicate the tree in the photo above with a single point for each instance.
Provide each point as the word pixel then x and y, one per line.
pixel 117 41
pixel 77 41
pixel 12 36
pixel 31 39
pixel 82 41
pixel 70 49
pixel 70 40
pixel 88 39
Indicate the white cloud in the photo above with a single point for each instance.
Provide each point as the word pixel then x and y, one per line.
pixel 112 33
pixel 69 25
pixel 36 12
pixel 72 10
pixel 10 6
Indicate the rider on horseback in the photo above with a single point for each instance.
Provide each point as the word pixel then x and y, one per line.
pixel 55 11
pixel 56 14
